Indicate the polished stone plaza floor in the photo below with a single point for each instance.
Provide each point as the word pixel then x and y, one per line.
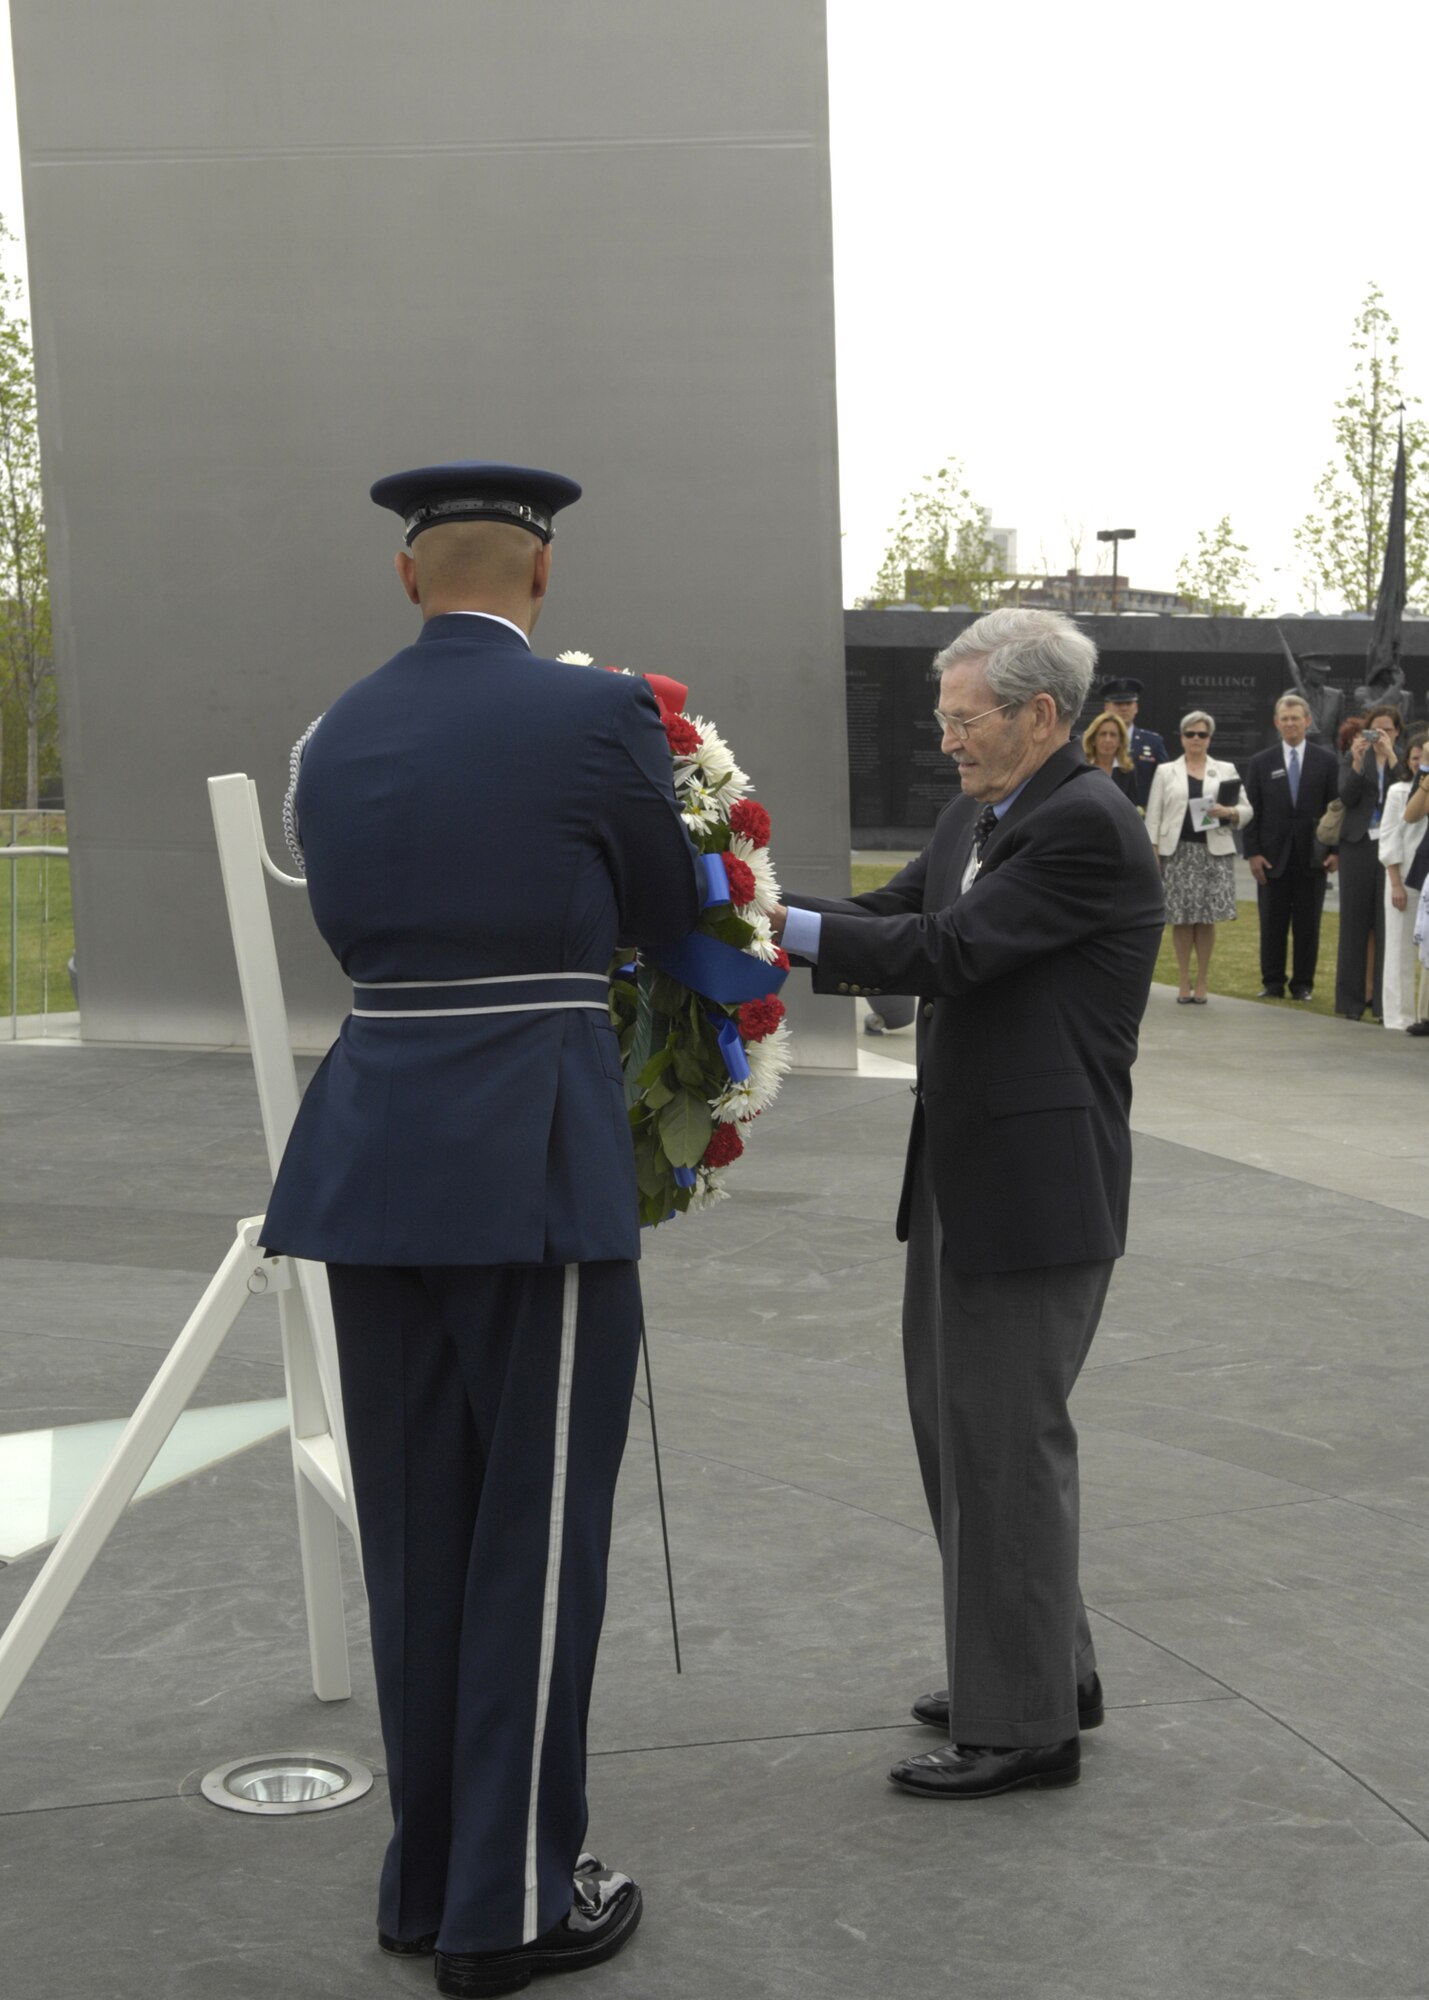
pixel 1253 1821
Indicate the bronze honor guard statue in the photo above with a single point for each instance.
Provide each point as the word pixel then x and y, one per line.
pixel 481 827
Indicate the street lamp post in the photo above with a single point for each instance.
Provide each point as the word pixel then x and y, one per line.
pixel 1115 536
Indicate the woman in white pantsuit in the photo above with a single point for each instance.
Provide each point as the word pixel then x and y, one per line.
pixel 1398 844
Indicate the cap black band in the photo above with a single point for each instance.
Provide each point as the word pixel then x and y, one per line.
pixel 518 512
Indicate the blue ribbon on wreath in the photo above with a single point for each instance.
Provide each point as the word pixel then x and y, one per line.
pixel 730 1045
pixel 717 971
pixel 716 882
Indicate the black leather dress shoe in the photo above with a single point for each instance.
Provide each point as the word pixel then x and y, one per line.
pixel 976 1771
pixel 1091 1708
pixel 421 1947
pixel 603 1916
pixel 1302 993
pixel 1272 992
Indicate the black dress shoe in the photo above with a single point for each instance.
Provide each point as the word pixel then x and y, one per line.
pixel 1091 1707
pixel 603 1916
pixel 1272 992
pixel 975 1771
pixel 421 1947
pixel 1417 1028
pixel 1302 993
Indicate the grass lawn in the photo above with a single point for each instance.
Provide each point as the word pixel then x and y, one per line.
pixel 45 924
pixel 1235 963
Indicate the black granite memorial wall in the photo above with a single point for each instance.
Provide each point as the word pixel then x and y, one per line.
pixel 1233 668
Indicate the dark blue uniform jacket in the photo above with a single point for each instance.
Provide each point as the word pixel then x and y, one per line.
pixel 1147 751
pixel 473 812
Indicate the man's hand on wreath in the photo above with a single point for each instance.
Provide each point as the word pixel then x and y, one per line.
pixel 778 917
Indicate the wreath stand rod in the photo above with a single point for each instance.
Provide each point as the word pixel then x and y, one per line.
pixel 322 1477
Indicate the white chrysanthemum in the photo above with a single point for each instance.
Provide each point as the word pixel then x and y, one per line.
pixel 716 760
pixel 756 859
pixel 769 1063
pixel 709 1189
pixel 714 753
pixel 576 659
pixel 762 944
pixel 701 811
pixel 735 1102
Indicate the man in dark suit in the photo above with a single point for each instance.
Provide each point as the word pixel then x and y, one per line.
pixel 1288 787
pixel 480 827
pixel 1029 925
pixel 1123 697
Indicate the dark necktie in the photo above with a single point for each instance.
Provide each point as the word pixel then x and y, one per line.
pixel 982 832
pixel 1294 777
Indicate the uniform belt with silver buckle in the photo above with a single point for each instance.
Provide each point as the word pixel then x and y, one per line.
pixel 512 993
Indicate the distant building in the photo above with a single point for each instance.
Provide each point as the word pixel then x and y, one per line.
pixel 1091 596
pixel 1004 541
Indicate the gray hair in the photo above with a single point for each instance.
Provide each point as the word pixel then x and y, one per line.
pixel 1198 715
pixel 1027 653
pixel 1293 694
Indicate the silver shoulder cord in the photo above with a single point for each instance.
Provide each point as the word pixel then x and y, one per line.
pixel 290 798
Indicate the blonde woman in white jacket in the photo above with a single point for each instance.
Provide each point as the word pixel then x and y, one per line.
pixel 1197 861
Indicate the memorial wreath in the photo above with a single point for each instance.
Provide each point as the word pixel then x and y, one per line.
pixel 703 1040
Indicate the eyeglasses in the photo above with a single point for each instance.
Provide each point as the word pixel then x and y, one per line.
pixel 960 727
pixel 1196 732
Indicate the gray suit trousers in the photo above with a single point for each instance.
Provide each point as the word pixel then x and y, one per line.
pixel 991 1360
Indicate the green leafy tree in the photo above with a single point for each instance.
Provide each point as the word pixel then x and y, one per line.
pixel 1218 577
pixel 26 650
pixel 939 551
pixel 1342 541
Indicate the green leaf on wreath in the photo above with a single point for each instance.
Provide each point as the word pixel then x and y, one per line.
pixel 728 928
pixel 685 1127
pixel 642 1040
pixel 651 1169
pixel 691 1068
pixel 658 1094
pixel 656 1066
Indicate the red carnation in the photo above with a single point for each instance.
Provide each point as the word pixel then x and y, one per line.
pixel 741 879
pixel 750 821
pixel 685 739
pixel 758 1018
pixel 724 1147
pixel 781 957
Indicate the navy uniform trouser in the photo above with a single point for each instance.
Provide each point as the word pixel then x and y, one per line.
pixel 486 1410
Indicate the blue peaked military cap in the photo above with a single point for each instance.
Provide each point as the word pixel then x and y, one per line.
pixel 474 489
pixel 1124 689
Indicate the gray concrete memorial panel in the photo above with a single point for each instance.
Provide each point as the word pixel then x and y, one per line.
pixel 277 252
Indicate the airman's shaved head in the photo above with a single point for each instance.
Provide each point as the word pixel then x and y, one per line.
pixel 477 566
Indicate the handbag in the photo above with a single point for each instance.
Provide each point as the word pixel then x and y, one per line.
pixel 1330 824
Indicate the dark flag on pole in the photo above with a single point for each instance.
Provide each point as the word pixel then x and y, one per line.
pixel 1296 678
pixel 1382 670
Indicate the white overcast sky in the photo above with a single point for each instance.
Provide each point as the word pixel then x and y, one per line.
pixel 1109 258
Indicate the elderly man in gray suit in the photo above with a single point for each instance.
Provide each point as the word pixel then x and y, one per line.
pixel 1029 926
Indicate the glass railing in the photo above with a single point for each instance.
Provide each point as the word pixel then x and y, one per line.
pixel 36 926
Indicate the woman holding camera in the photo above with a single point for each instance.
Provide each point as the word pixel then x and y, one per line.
pixel 1367 770
pixel 1191 832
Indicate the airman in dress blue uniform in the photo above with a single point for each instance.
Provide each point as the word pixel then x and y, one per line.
pixel 481 828
pixel 1123 698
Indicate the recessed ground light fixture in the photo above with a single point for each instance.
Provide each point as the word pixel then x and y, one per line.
pixel 290 1781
